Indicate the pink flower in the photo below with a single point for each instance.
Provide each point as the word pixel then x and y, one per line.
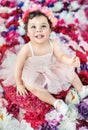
pixel 9 3
pixel 11 35
pixel 86 12
pixel 83 2
pixel 44 10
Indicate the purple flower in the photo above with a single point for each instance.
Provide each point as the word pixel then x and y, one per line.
pixel 47 127
pixel 83 108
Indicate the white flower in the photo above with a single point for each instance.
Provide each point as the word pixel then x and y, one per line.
pixel 72 113
pixel 5 118
pixel 27 3
pixel 25 126
pixel 63 14
pixel 72 97
pixel 11 123
pixel 67 124
pixel 53 115
pixel 4 9
pixel 7 68
pixel 21 30
pixel 2 40
pixel 1 89
pixel 74 5
pixel 57 6
pixel 80 15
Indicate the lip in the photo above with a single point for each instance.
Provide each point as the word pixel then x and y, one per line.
pixel 39 36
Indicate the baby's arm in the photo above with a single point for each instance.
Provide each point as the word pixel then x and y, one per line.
pixel 64 58
pixel 21 57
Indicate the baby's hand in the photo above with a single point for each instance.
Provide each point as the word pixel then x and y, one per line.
pixel 75 61
pixel 21 90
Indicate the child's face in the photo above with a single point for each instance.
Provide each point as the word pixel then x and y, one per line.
pixel 38 29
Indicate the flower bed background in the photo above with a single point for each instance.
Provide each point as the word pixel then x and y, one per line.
pixel 17 112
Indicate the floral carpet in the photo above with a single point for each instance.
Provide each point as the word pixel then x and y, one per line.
pixel 28 112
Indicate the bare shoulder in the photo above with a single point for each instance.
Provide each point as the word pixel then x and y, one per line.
pixel 25 49
pixel 55 42
pixel 56 47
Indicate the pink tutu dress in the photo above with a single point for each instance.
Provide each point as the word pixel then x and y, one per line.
pixel 45 72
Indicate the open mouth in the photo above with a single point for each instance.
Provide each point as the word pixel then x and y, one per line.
pixel 39 36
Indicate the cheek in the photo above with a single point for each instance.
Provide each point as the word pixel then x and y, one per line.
pixel 30 33
pixel 48 33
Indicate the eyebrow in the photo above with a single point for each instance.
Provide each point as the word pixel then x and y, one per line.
pixel 34 23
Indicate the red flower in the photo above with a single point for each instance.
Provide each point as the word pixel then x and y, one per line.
pixel 13 109
pixel 84 77
pixel 4 15
pixel 12 22
pixel 82 56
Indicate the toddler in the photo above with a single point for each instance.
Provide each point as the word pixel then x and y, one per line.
pixel 41 66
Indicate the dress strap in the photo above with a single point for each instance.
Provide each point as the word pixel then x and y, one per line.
pixel 50 41
pixel 31 48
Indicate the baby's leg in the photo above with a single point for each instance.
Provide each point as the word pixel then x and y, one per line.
pixel 45 96
pixel 82 90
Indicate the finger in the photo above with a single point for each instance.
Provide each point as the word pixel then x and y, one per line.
pixel 74 57
pixel 19 93
pixel 25 92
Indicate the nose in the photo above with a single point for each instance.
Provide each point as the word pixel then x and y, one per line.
pixel 39 29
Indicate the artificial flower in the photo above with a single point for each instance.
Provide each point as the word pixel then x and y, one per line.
pixel 9 3
pixel 74 5
pixel 3 102
pixel 83 109
pixel 1 90
pixel 4 15
pixel 81 124
pixel 12 35
pixel 72 97
pixel 12 22
pixel 2 41
pixel 83 74
pixel 66 124
pixel 82 56
pixel 4 9
pixel 86 11
pixel 57 6
pixel 82 2
pixel 83 128
pixel 45 10
pixel 47 126
pixel 53 117
pixel 13 109
pixel 23 125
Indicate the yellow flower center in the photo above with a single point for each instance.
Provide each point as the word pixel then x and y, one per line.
pixel 73 97
pixel 1 116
